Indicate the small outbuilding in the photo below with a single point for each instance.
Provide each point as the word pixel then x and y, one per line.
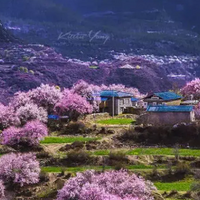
pixel 162 98
pixel 168 115
pixel 190 102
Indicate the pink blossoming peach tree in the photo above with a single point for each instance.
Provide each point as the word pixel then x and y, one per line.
pixel 192 90
pixel 110 185
pixel 29 135
pixel 45 96
pixel 30 112
pixel 73 105
pixel 89 91
pixel 19 169
pixel 8 117
pixel 2 189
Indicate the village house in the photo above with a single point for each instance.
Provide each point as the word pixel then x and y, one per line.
pixel 168 115
pixel 116 102
pixel 190 102
pixel 162 98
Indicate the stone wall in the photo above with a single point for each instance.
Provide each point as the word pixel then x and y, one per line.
pixel 165 118
pixel 97 116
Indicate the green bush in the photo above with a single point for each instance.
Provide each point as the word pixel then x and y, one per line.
pixel 182 168
pixel 74 128
pixel 117 158
pixel 195 186
pixel 76 158
pixel 26 58
pixel 23 69
pixel 42 155
pixel 78 145
pixel 32 72
pixel 44 177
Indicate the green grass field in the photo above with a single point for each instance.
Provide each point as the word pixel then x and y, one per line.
pixel 184 185
pixel 52 169
pixel 56 140
pixel 123 121
pixel 153 151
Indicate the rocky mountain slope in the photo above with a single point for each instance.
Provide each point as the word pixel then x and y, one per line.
pixel 5 36
pixel 25 66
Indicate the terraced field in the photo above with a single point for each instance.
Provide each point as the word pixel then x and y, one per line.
pixel 144 161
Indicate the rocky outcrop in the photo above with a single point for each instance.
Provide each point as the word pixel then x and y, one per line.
pixel 5 36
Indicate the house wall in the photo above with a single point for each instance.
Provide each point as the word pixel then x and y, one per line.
pixel 168 118
pixel 155 102
pixel 174 103
pixel 136 111
pixel 109 104
pixel 122 104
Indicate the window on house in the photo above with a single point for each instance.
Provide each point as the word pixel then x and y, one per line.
pixel 154 97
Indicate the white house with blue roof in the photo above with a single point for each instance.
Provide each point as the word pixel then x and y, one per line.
pixel 116 102
pixel 160 115
pixel 162 98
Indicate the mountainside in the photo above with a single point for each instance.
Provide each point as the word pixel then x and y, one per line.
pixel 91 30
pixel 143 47
pixel 25 66
pixel 5 36
pixel 184 11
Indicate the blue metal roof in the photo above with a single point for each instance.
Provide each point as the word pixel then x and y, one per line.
pixel 114 93
pixel 168 95
pixel 133 99
pixel 56 117
pixel 104 98
pixel 163 108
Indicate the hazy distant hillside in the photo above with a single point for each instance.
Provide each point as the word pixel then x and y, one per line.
pixel 185 11
pixel 40 10
pixel 156 27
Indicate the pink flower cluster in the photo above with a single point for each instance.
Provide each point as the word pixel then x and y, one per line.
pixel 34 104
pixel 45 96
pixel 73 105
pixel 7 117
pixel 2 188
pixel 122 88
pixel 20 99
pixel 31 134
pixel 111 185
pixel 89 92
pixel 22 169
pixel 192 88
pixel 30 112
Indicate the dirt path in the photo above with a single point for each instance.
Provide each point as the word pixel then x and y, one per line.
pixel 53 148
